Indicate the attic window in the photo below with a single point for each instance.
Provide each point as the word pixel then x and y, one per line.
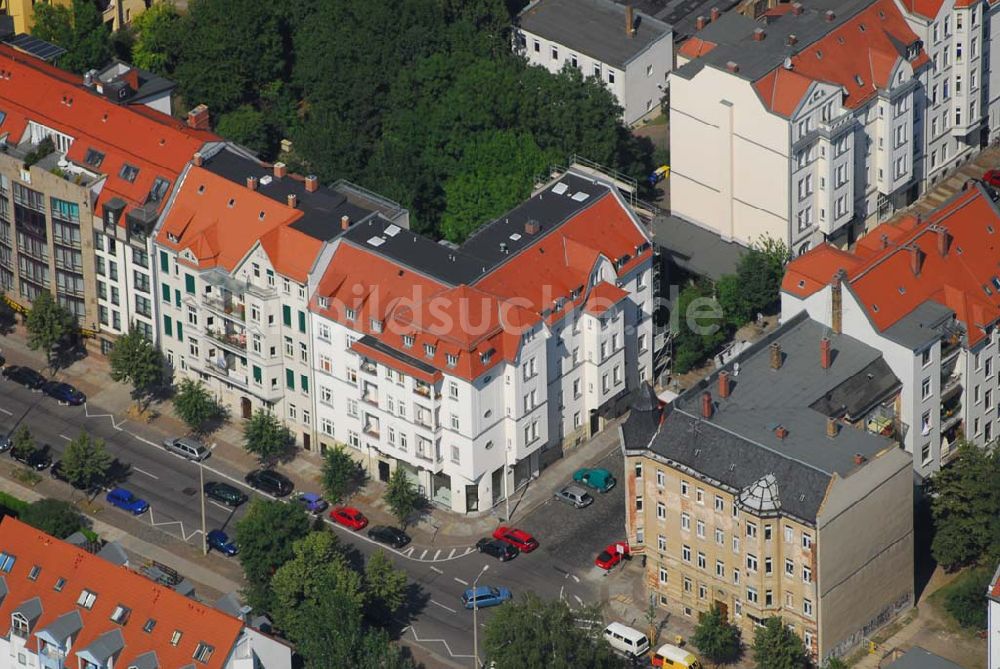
pixel 861 27
pixel 858 80
pixel 819 54
pixel 996 282
pixel 94 158
pixel 60 584
pixel 902 290
pixel 149 625
pixel 376 325
pixel 486 356
pixel 128 172
pixel 86 599
pixel 203 652
pixel 175 638
pixel 231 203
pixel 201 189
pixel 986 289
pixel 989 229
pixel 840 39
pixel 261 215
pixel 958 250
pixel 408 341
pixel 349 314
pixel 429 350
pixel 452 360
pixel 120 615
pixel 875 308
pixel 33 574
pixel 802 283
pixel 324 302
pixel 881 14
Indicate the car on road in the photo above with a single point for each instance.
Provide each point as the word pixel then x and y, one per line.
pixel 348 516
pixel 220 541
pixel 186 447
pixel 392 536
pixel 26 376
pixel 37 458
pixel 269 481
pixel 612 554
pixel 575 495
pixel 992 178
pixel 600 480
pixel 229 495
pixel 485 595
pixel 519 539
pixel 126 501
pixel 64 393
pixel 501 550
pixel 5 443
pixel 312 502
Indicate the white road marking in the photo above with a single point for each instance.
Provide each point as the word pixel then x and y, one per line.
pixel 143 471
pixel 436 555
pixel 63 436
pixel 423 554
pixel 441 641
pixel 221 506
pixel 184 536
pixel 6 412
pixel 578 600
pixel 561 596
pixel 451 554
pixel 408 552
pixel 446 608
pixel 435 569
pixel 461 581
pixel 575 578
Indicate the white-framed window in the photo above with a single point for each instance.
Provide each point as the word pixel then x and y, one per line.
pixel 684 488
pixel 807 607
pixel 925 388
pixel 720 568
pixel 751 594
pixel 685 522
pixel 661 511
pixel 661 543
pixel 326 426
pixel 720 504
pixel 720 536
pixel 751 562
pixel 702 561
pixel 807 540
pixel 807 576
pixel 700 528
pixel 663 575
pixel 686 553
pixel 661 479
pixel 789 567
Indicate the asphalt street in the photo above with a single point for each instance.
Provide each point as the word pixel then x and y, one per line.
pixel 561 568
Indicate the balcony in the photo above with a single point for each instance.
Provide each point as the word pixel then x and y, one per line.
pixel 369 367
pixel 225 306
pixel 225 368
pixel 950 384
pixel 371 427
pixel 370 394
pixel 426 390
pixel 230 339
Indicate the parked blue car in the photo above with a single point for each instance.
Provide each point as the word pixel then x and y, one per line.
pixel 485 595
pixel 64 393
pixel 312 502
pixel 125 500
pixel 220 541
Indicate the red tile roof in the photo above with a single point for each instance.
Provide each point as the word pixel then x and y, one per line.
pixel 782 90
pixel 879 271
pixel 113 586
pixel 696 47
pixel 604 296
pixel 156 143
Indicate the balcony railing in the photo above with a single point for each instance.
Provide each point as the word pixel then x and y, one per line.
pixel 370 398
pixel 949 384
pixel 230 339
pixel 372 429
pixel 229 308
pixel 424 390
pixel 369 367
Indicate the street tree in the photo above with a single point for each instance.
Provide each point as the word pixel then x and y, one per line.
pixel 340 474
pixel 48 323
pixel 266 536
pixel 23 442
pixel 54 516
pixel 86 462
pixel 78 28
pixel 717 640
pixel 965 506
pixel 135 360
pixel 776 646
pixel 195 405
pixel 157 38
pixel 756 286
pixel 267 437
pixel 401 496
pixel 544 633
pixel 385 588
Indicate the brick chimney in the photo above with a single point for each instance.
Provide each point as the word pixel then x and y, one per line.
pixel 629 21
pixel 837 302
pixel 797 8
pixel 700 23
pixel 293 200
pixel 916 259
pixel 531 227
pixel 197 160
pixel 345 222
pixel 776 360
pixel 724 384
pixel 759 35
pixel 312 183
pixel 733 66
pixel 706 404
pixel 252 183
pixel 198 118
pixel 830 16
pixel 792 40
pixel 280 170
pixel 885 240
pixel 715 13
pixel 832 427
pixel 859 459
pixel 781 432
pixel 943 239
pixel 825 356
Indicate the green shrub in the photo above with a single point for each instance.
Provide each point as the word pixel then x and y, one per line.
pixel 965 599
pixel 15 505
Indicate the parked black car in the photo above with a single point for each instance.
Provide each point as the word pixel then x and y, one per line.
pixel 269 481
pixel 64 393
pixel 391 536
pixel 223 492
pixel 26 376
pixel 501 550
pixel 38 459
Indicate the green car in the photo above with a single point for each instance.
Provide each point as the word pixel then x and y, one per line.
pixel 600 480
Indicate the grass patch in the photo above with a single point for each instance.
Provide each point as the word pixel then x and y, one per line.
pixel 13 503
pixel 963 601
pixel 90 534
pixel 26 476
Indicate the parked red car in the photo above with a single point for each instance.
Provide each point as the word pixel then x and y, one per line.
pixel 348 516
pixel 612 554
pixel 992 178
pixel 519 539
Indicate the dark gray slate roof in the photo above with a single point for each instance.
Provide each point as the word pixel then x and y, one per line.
pixel 733 33
pixel 379 346
pixel 77 539
pixel 680 14
pixel 114 553
pixel 145 661
pixel 592 27
pixel 738 445
pixel 63 627
pixel 105 646
pixel 918 658
pixel 858 395
pixel 230 603
pixel 921 326
pixel 696 249
pixel 31 610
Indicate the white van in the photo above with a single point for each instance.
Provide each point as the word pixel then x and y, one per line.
pixel 673 657
pixel 624 639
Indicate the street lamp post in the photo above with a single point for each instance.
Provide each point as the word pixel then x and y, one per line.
pixel 204 535
pixel 475 617
pixel 506 475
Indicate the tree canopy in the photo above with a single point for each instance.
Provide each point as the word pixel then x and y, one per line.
pixel 776 646
pixel 340 474
pixel 136 360
pixel 48 323
pixel 54 516
pixel 157 38
pixel 698 324
pixel 23 442
pixel 401 496
pixel 716 639
pixel 266 437
pixel 78 28
pixel 194 404
pixel 86 462
pixel 266 535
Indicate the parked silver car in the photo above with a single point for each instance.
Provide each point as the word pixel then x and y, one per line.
pixel 575 495
pixel 186 447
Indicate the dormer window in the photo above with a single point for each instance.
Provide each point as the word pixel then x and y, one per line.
pixel 376 325
pixel 86 599
pixel 19 625
pixel 128 172
pixel 203 652
pixel 452 360
pixel 120 615
pixel 324 302
pixel 94 158
pixel 486 357
pixel 429 350
pixel 408 341
pixel 350 314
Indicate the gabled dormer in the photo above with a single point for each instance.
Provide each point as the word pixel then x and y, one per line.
pixel 24 617
pixel 102 651
pixel 57 637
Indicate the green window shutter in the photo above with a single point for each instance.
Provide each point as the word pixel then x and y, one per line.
pixel 166 292
pixel 180 331
pixel 164 261
pixel 189 283
pixel 177 297
pixel 286 315
pixel 168 326
pixel 304 382
pixel 290 379
pixel 257 377
pixel 302 321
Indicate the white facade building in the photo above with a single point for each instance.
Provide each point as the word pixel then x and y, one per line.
pixel 629 52
pixel 993 614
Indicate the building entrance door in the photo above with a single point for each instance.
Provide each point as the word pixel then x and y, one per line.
pixel 383 471
pixel 245 408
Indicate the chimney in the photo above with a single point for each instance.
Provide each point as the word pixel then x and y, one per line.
pixel 252 183
pixel 706 404
pixel 859 459
pixel 531 227
pixel 792 40
pixel 837 302
pixel 824 353
pixel 700 23
pixel 293 200
pixel 733 67
pixel 832 428
pixel 280 170
pixel 885 241
pixel 197 118
pixel 943 239
pixel 715 14
pixel 916 259
pixel 198 160
pixel 830 16
pixel 759 35
pixel 345 222
pixel 724 387
pixel 797 8
pixel 781 432
pixel 629 21
pixel 312 183
pixel 775 349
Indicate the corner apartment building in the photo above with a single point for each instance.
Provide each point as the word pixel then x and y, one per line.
pixel 777 503
pixel 62 606
pixel 76 221
pixel 629 52
pixel 925 292
pixel 234 249
pixel 461 365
